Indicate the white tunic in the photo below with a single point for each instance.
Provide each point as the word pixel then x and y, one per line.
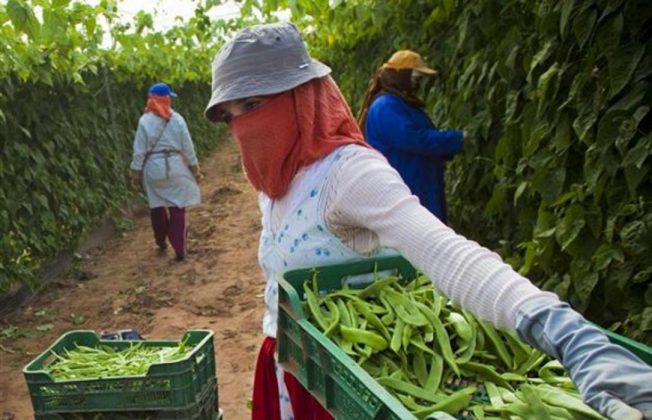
pixel 166 177
pixel 300 238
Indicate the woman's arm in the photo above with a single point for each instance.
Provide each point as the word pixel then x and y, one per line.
pixel 365 191
pixel 187 147
pixel 140 148
pixel 395 124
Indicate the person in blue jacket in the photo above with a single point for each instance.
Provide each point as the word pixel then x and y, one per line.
pixel 393 122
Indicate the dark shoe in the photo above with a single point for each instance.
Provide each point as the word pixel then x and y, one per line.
pixel 180 257
pixel 162 248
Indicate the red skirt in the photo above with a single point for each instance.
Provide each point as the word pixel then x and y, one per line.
pixel 266 405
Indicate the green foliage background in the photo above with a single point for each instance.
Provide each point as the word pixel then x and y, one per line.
pixel 69 107
pixel 556 97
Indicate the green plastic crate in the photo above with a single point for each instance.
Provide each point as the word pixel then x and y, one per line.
pixel 205 409
pixel 177 385
pixel 345 389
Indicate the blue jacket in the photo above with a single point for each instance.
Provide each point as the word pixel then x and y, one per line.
pixel 414 147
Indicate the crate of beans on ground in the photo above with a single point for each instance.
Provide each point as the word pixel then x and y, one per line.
pixel 81 376
pixel 375 340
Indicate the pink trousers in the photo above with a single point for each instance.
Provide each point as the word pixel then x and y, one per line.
pixel 170 223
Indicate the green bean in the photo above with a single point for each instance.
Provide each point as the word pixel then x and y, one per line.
pixel 538 409
pixel 407 335
pixel 395 343
pixel 374 288
pixel 547 374
pixel 372 318
pixel 494 395
pixel 563 399
pixel 442 336
pixel 371 339
pixel 435 374
pixel 335 317
pixel 419 367
pixel 404 308
pixel 313 304
pixel 409 389
pixel 453 403
pixel 345 316
pixel 497 342
pixel 461 326
pixel 486 372
pixel 520 350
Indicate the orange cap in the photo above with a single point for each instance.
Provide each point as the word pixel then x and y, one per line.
pixel 406 59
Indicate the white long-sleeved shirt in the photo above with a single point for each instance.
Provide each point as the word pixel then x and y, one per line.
pixel 367 205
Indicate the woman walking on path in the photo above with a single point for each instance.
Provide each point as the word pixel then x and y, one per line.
pixel 327 198
pixel 165 165
pixel 393 121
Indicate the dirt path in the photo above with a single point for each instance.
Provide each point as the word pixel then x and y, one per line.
pixel 219 287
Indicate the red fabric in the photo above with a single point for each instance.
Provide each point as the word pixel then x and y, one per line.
pixel 265 405
pixel 160 105
pixel 292 130
pixel 304 405
pixel 266 397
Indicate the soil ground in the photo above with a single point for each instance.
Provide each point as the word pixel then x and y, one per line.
pixel 125 283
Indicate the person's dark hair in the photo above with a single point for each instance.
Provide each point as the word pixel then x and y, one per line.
pixel 387 80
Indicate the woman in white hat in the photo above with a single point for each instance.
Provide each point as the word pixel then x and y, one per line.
pixel 165 165
pixel 328 198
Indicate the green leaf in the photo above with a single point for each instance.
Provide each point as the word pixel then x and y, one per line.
pixel 632 99
pixel 607 37
pixel 22 17
pixel 570 226
pixel 519 191
pixel 584 281
pixel 566 9
pixel 642 276
pixel 609 128
pixel 637 155
pixel 562 140
pixel 605 254
pixel 543 88
pixel 634 177
pixel 584 123
pixel 549 182
pixel 584 24
pixel 60 3
pixel 622 65
pixel 540 57
pixel 628 128
pixel 496 202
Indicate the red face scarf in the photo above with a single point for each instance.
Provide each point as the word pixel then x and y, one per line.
pixel 293 130
pixel 160 105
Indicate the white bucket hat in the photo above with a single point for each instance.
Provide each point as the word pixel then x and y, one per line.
pixel 261 60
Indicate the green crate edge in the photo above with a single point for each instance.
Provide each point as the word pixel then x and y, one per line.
pixel 290 304
pixel 35 375
pixel 201 409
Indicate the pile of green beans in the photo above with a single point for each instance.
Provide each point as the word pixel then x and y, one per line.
pixel 435 357
pixel 83 362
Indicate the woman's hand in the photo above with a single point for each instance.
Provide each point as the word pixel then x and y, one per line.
pixel 135 178
pixel 194 169
pixel 611 379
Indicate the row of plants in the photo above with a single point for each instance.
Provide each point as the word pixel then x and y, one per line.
pixel 556 97
pixel 73 83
